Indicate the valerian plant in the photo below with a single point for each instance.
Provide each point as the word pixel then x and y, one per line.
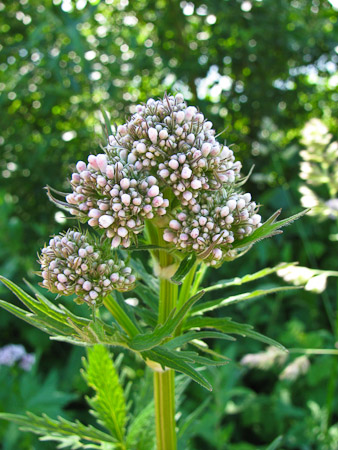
pixel 163 184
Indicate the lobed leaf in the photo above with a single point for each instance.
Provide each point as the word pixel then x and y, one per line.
pixel 108 403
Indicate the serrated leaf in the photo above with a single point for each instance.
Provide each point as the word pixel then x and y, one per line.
pixel 177 361
pixel 268 229
pixel 179 341
pixel 219 303
pixel 106 123
pixel 184 268
pixel 109 402
pixel 146 341
pixel 73 434
pixel 142 433
pixel 228 326
pixel 238 281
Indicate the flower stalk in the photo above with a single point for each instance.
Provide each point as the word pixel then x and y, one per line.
pixel 164 382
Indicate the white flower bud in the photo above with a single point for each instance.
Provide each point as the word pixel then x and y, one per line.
pixel 231 204
pixel 186 173
pixel 116 241
pixel 87 285
pixel 163 134
pixel 125 198
pixel 105 221
pixel 174 225
pixel 164 173
pixel 194 233
pixel 225 211
pixel 168 236
pixel 152 133
pixel 141 148
pixel 217 253
pixel 121 231
pixel 125 183
pixel 153 191
pixel 196 184
pixel 180 116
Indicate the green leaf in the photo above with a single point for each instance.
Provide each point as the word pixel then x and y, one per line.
pixel 179 341
pixel 108 403
pixel 247 278
pixel 228 326
pixel 141 432
pixel 184 268
pixel 177 361
pixel 147 341
pixel 146 277
pixel 275 444
pixel 106 123
pixel 214 304
pixel 74 434
pixel 268 229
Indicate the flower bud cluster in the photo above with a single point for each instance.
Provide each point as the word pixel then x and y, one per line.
pixel 217 222
pixel 74 264
pixel 12 354
pixel 115 198
pixel 165 162
pixel 177 144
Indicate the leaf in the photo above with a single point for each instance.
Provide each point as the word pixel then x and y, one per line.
pixel 147 341
pixel 148 279
pixel 268 229
pixel 179 341
pixel 213 304
pixel 275 444
pixel 106 123
pixel 184 268
pixel 177 361
pixel 247 278
pixel 142 247
pixel 74 434
pixel 228 326
pixel 108 403
pixel 142 433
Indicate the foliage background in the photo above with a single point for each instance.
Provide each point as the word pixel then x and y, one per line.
pixel 259 70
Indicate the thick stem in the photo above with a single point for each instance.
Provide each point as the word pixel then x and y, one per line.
pixel 164 382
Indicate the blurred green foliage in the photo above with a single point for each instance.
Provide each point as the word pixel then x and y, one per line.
pixel 259 70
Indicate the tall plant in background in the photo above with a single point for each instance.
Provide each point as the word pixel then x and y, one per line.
pixel 163 184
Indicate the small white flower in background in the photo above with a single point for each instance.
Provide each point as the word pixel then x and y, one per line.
pixel 312 279
pixel 264 360
pixel 12 354
pixel 296 368
pixel 319 168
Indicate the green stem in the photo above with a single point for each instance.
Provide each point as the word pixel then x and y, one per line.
pixel 333 379
pixel 120 316
pixel 164 382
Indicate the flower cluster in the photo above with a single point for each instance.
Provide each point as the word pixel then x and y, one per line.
pixel 74 264
pixel 319 168
pixel 218 220
pixel 165 163
pixel 115 198
pixel 16 354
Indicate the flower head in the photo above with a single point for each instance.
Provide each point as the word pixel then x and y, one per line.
pixel 165 164
pixel 72 263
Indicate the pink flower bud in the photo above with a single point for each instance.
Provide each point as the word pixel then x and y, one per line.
pixel 116 242
pixel 173 164
pixel 101 160
pixel 110 172
pixel 95 213
pixel 140 147
pixel 81 166
pixel 92 161
pixel 152 133
pixel 163 134
pixel 180 116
